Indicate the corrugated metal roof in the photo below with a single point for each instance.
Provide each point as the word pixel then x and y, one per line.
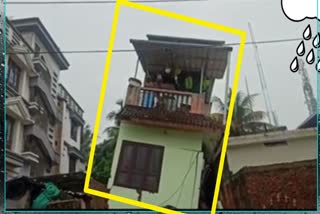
pixel 184 40
pixel 155 55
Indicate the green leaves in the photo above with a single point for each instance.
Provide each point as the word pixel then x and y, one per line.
pixel 103 161
pixel 86 141
pixel 103 158
pixel 245 120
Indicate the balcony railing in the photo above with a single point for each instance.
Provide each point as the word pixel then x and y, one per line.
pixel 170 100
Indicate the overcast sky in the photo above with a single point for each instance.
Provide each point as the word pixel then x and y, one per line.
pixel 87 27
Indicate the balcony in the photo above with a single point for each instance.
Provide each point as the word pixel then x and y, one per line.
pixel 167 108
pixel 41 84
pixel 167 99
pixel 40 64
pixel 170 100
pixel 12 37
pixel 40 134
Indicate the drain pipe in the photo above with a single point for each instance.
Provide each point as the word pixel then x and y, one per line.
pixel 137 67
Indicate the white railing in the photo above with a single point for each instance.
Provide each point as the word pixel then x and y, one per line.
pixel 170 100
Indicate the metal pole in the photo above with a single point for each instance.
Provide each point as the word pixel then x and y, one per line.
pixel 201 80
pixel 137 67
pixel 226 91
pixel 248 92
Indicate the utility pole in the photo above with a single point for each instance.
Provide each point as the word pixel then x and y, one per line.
pixel 310 100
pixel 270 113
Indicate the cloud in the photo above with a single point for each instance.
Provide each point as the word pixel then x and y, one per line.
pixel 298 10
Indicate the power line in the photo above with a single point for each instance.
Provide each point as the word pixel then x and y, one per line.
pixel 183 180
pixel 92 2
pixel 132 50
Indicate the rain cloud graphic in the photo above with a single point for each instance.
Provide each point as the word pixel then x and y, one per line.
pixel 297 11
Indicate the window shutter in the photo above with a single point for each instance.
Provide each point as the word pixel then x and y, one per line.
pixel 139 166
pixel 154 169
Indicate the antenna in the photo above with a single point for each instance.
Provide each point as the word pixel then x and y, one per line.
pixel 310 100
pixel 270 113
pixel 248 92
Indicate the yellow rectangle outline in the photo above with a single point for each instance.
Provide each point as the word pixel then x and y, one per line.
pixel 161 12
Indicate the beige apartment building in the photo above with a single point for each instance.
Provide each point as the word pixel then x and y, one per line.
pixel 43 121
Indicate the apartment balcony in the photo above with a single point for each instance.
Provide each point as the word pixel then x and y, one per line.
pixel 40 134
pixel 40 64
pixel 168 108
pixel 44 88
pixel 77 117
pixel 170 100
pixel 12 37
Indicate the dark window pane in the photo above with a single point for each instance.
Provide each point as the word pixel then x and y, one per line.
pixel 155 161
pixel 141 160
pixel 74 130
pixel 72 164
pixel 9 126
pixel 13 75
pixel 126 157
pixel 137 181
pixel 122 179
pixel 151 183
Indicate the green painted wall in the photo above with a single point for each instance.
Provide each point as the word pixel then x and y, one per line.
pixel 182 153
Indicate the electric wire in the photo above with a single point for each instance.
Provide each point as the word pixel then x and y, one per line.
pixel 132 50
pixel 91 2
pixel 182 182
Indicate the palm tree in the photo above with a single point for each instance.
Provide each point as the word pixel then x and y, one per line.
pixel 104 152
pixel 245 119
pixel 86 141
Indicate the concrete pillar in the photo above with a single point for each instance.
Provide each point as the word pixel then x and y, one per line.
pixel 17 137
pixel 133 92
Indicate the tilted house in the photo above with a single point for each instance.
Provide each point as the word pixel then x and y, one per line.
pixel 158 156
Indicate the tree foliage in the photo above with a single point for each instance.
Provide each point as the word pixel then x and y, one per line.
pixel 86 141
pixel 245 120
pixel 104 151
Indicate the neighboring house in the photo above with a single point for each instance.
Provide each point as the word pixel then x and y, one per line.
pixel 71 160
pixel 158 157
pixel 34 120
pixel 274 170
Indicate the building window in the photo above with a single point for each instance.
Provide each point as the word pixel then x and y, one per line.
pixel 74 130
pixel 72 164
pixel 13 75
pixel 139 166
pixel 9 131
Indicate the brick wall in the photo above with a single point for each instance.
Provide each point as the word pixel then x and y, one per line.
pixel 280 186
